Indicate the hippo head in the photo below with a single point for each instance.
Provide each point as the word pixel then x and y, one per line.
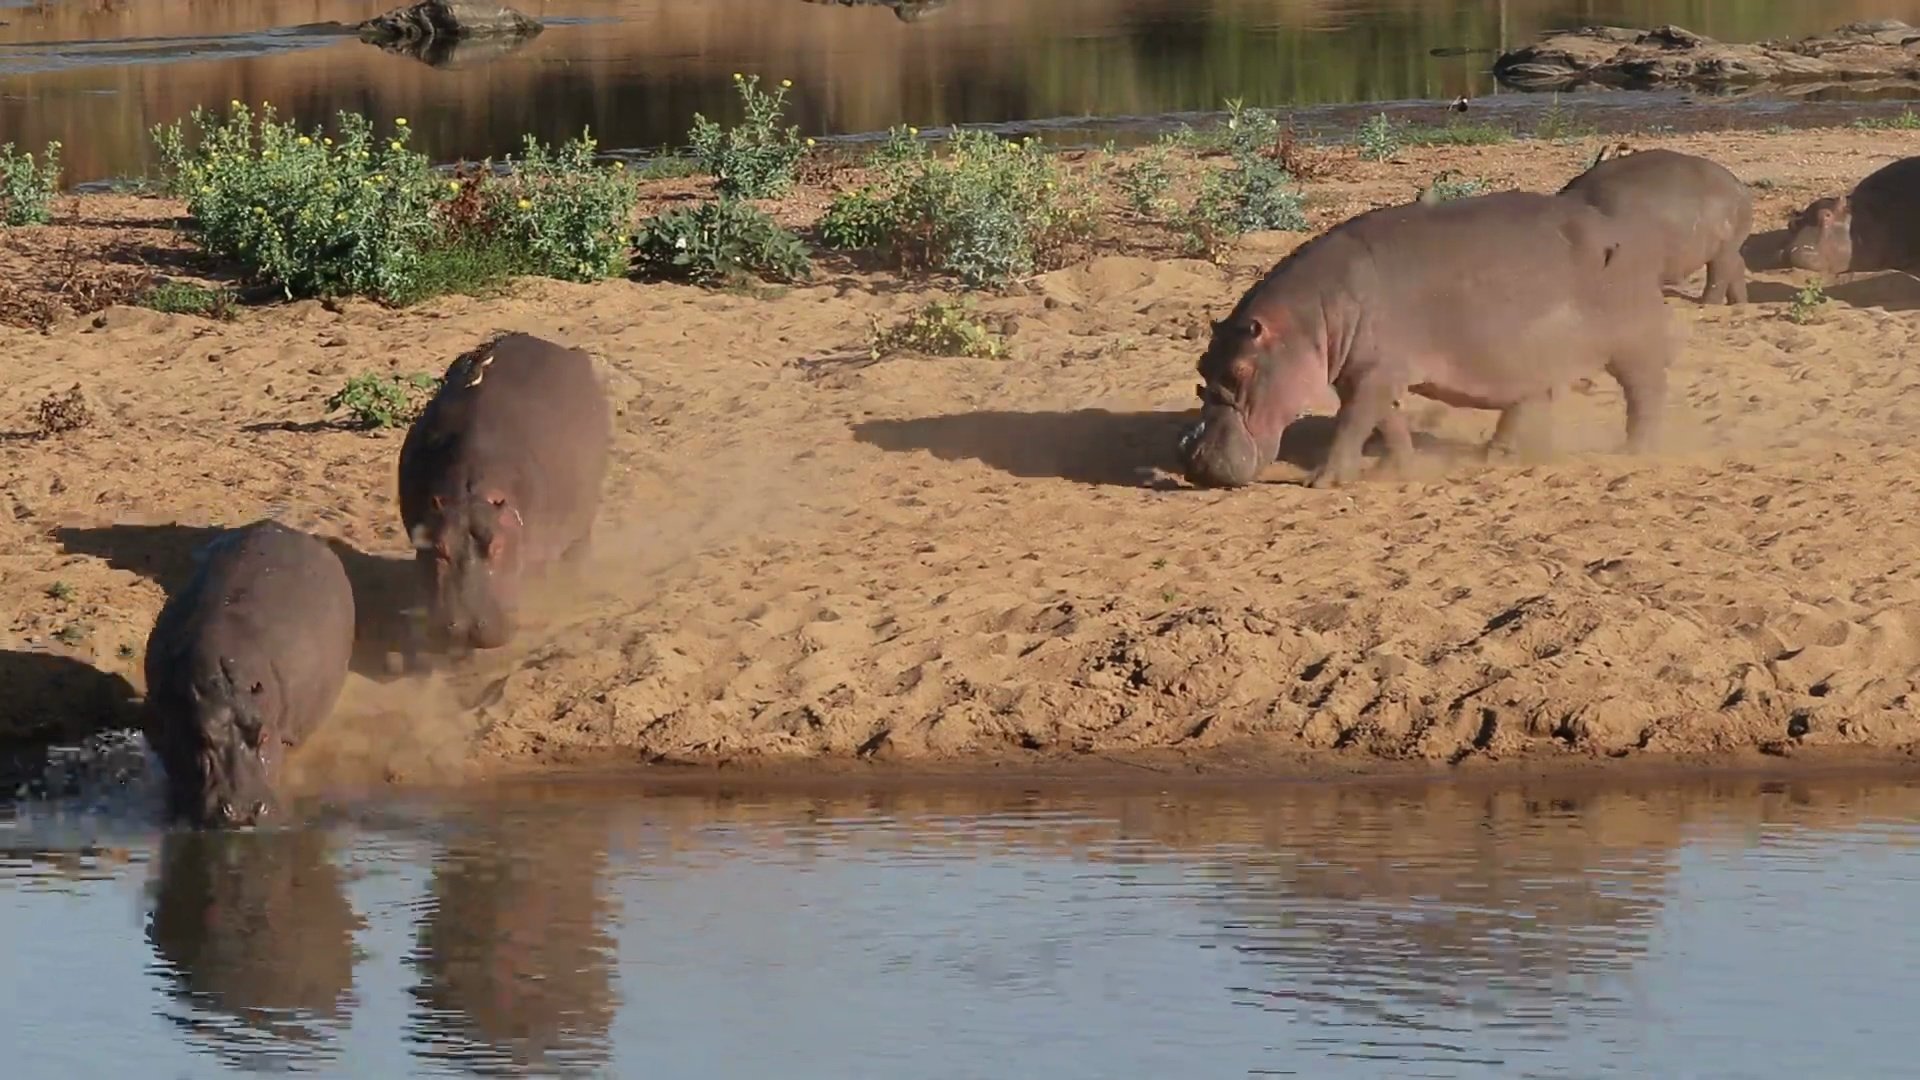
pixel 220 766
pixel 1258 376
pixel 468 551
pixel 1820 237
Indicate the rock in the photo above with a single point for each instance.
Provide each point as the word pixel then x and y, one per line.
pixel 1671 55
pixel 447 20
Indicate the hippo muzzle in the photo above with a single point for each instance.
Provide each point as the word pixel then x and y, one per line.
pixel 232 789
pixel 1219 451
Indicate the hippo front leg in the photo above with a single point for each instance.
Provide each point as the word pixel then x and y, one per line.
pixel 1368 405
pixel 1523 431
pixel 1726 278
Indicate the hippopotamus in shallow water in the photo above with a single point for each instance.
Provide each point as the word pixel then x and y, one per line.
pixel 1877 227
pixel 242 665
pixel 1701 211
pixel 1490 302
pixel 500 477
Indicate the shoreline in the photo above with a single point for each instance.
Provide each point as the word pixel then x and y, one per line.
pixel 916 570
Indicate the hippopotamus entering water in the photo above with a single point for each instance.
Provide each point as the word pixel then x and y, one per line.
pixel 1877 227
pixel 500 476
pixel 1490 302
pixel 1700 210
pixel 243 664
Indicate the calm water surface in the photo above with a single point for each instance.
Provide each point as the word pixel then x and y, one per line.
pixel 1738 929
pixel 97 74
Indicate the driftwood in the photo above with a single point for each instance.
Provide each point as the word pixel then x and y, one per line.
pixel 1670 56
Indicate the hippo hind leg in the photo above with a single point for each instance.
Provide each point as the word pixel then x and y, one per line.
pixel 1726 278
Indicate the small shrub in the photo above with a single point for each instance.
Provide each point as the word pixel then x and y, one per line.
pixel 382 401
pixel 57 414
pixel 756 158
pixel 1806 303
pixel 1248 131
pixel 1379 138
pixel 941 328
pixel 565 214
pixel 27 186
pixel 60 590
pixel 1450 185
pixel 314 215
pixel 1253 196
pixel 186 298
pixel 719 242
pixel 666 167
pixel 71 634
pixel 1905 120
pixel 1145 180
pixel 1557 124
pixel 988 211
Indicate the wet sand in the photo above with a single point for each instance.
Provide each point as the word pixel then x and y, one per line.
pixel 815 563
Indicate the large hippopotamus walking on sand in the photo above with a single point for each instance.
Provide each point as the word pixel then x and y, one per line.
pixel 1489 302
pixel 243 664
pixel 1876 227
pixel 500 478
pixel 1701 211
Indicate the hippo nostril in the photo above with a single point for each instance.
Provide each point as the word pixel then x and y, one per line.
pixel 226 811
pixel 259 810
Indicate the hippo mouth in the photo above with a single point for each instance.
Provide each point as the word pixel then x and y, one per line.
pixel 1219 451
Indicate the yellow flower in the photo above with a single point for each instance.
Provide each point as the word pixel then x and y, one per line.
pixel 453 185
pixel 737 76
pixel 304 141
pixel 328 142
pixel 339 217
pixel 394 145
pixel 786 84
pixel 400 121
pixel 235 102
pixel 809 142
pixel 525 205
pixel 206 189
pixel 913 131
pixel 619 165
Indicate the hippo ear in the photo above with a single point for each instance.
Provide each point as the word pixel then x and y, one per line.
pixel 438 502
pixel 1842 208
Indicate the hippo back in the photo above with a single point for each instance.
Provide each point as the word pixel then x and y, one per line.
pixel 1698 207
pixel 1886 217
pixel 272 596
pixel 521 412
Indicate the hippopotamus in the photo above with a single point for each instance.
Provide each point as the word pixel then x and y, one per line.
pixel 500 478
pixel 244 663
pixel 1489 302
pixel 1702 212
pixel 1877 227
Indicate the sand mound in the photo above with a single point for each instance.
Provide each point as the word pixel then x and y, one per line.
pixel 812 554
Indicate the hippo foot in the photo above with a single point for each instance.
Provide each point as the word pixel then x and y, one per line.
pixel 1327 476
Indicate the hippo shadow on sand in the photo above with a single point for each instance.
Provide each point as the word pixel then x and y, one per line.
pixel 1888 290
pixel 54 700
pixel 383 587
pixel 1094 446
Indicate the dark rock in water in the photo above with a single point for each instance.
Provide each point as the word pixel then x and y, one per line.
pixel 904 10
pixel 1458 50
pixel 1672 56
pixel 447 20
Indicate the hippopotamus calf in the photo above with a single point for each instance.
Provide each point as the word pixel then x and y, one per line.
pixel 500 476
pixel 1700 211
pixel 1489 302
pixel 1877 227
pixel 243 664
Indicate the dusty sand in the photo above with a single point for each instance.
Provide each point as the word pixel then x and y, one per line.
pixel 810 560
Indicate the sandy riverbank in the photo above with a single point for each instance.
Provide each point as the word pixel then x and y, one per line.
pixel 940 563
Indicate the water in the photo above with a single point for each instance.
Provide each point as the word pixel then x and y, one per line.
pixel 1739 928
pixel 98 74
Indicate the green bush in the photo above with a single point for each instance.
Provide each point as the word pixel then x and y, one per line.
pixel 1450 185
pixel 382 401
pixel 27 186
pixel 756 158
pixel 941 328
pixel 1147 178
pixel 719 242
pixel 1248 131
pixel 311 214
pixel 987 211
pixel 186 298
pixel 1379 138
pixel 568 217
